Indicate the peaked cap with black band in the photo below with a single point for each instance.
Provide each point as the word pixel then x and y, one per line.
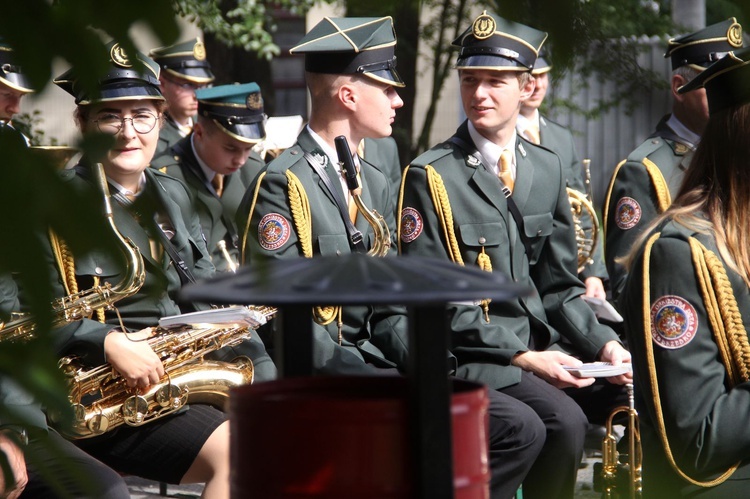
pixel 701 48
pixel 498 44
pixel 186 61
pixel 10 72
pixel 352 45
pixel 727 81
pixel 237 109
pixel 123 80
pixel 542 64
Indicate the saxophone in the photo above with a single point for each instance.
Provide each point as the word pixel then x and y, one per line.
pixel 81 305
pixel 102 401
pixel 581 205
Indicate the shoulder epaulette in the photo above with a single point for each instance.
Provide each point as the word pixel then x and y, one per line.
pixel 434 154
pixel 161 162
pixel 647 148
pixel 286 160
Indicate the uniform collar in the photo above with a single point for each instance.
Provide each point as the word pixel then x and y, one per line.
pixel 686 135
pixel 491 151
pixel 207 171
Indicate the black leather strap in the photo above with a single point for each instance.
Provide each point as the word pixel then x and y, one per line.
pixel 355 236
pixel 512 206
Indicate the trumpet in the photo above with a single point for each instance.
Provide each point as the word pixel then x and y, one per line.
pixel 619 475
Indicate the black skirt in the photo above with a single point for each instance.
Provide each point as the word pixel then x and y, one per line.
pixel 162 450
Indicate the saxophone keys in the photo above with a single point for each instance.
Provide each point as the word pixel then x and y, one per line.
pixel 134 410
pixel 97 424
pixel 170 396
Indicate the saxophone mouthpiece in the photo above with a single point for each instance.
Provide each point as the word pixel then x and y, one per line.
pixel 346 162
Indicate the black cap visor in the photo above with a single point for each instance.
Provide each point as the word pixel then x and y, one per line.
pixel 127 90
pixel 251 133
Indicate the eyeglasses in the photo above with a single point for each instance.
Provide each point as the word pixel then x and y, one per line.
pixel 143 122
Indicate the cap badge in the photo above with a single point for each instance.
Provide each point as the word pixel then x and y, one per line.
pixel 734 35
pixel 199 51
pixel 254 101
pixel 119 57
pixel 483 27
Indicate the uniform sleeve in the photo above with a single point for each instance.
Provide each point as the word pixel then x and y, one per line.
pixel 17 407
pixel 556 280
pixel 631 207
pixel 700 412
pixel 422 234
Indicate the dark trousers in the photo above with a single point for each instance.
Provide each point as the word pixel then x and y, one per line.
pixel 553 474
pixel 516 437
pixel 57 468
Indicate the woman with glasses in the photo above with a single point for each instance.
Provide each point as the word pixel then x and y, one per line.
pixel 687 307
pixel 154 211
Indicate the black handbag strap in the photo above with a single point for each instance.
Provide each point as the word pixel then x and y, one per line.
pixel 512 206
pixel 355 236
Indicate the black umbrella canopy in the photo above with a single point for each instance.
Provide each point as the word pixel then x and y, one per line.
pixel 354 279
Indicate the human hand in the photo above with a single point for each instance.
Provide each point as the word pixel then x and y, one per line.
pixel 595 288
pixel 548 365
pixel 132 357
pixel 17 463
pixel 614 353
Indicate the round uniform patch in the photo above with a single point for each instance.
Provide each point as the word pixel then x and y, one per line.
pixel 627 213
pixel 673 322
pixel 411 224
pixel 273 231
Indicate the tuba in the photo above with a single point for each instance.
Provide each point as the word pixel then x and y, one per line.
pixel 621 475
pixel 81 305
pixel 585 221
pixel 102 401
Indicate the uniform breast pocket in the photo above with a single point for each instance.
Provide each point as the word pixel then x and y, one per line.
pixel 96 266
pixel 333 244
pixel 474 237
pixel 537 228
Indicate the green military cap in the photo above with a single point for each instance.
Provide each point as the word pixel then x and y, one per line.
pixel 237 109
pixel 186 60
pixel 542 64
pixel 10 72
pixel 496 43
pixel 352 45
pixel 727 81
pixel 123 80
pixel 701 48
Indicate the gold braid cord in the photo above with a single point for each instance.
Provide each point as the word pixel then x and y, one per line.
pixel 725 322
pixel 662 191
pixel 400 207
pixel 445 215
pixel 300 207
pixel 609 195
pixel 250 217
pixel 66 265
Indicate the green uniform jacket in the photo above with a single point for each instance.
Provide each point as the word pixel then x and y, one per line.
pixel 157 297
pixel 560 140
pixel 676 305
pixel 384 153
pixel 373 334
pixel 18 408
pixel 217 214
pixel 169 135
pixel 482 223
pixel 642 187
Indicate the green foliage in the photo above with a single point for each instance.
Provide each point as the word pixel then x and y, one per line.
pixel 31 126
pixel 244 23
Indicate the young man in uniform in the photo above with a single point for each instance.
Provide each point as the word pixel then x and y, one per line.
pixel 642 186
pixel 217 163
pixel 299 208
pixel 184 69
pixel 13 84
pixel 484 197
pixel 534 127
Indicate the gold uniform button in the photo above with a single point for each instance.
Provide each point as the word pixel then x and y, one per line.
pixel 98 270
pixel 482 240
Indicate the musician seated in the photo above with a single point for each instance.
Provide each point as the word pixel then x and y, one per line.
pixel 686 306
pixel 217 163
